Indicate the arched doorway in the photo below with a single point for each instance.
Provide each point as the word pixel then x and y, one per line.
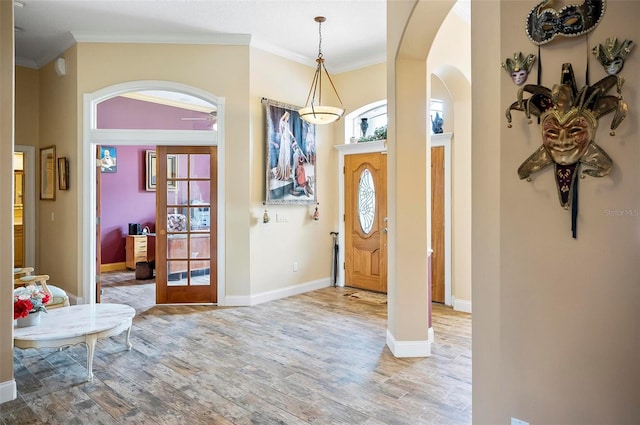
pixel 408 328
pixel 94 136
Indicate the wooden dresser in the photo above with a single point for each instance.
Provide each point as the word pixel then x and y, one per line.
pixel 136 250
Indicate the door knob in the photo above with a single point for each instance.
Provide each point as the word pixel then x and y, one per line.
pixel 385 230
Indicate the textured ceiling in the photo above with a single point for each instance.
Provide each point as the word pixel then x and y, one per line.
pixel 353 36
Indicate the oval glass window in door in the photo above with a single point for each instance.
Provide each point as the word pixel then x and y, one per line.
pixel 366 201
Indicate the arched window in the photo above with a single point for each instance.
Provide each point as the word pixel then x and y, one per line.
pixel 367 123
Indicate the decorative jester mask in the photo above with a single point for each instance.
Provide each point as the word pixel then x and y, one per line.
pixel 612 54
pixel 519 67
pixel 568 120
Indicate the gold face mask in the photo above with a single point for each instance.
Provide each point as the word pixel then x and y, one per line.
pixel 568 123
pixel 567 137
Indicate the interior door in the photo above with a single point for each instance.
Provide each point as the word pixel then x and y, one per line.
pixel 186 232
pixel 365 178
pixel 437 224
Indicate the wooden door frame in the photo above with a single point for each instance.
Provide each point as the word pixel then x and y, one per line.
pixel 349 149
pixel 444 140
pixel 381 146
pixel 93 137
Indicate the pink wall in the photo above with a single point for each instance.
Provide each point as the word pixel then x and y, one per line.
pixel 124 200
pixel 124 113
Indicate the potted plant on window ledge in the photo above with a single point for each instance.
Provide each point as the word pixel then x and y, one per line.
pixel 380 133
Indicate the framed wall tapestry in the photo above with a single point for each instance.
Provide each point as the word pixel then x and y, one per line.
pixel 290 156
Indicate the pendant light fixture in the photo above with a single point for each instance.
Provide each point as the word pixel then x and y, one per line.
pixel 314 111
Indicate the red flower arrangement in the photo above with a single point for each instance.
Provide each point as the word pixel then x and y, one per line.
pixel 29 300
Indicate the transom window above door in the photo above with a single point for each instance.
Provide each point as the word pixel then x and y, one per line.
pixel 156 110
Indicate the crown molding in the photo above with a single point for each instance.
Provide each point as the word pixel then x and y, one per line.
pixel 162 38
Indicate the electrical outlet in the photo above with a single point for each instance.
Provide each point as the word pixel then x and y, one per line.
pixel 281 218
pixel 515 421
pixel 295 266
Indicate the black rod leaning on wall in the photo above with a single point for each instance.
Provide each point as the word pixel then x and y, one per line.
pixel 574 207
pixel 586 76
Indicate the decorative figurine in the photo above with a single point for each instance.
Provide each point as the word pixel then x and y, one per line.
pixel 612 54
pixel 519 67
pixel 437 123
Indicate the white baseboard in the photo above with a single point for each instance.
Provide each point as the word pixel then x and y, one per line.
pixel 8 391
pixel 263 297
pixel 462 305
pixel 408 348
pixel 74 299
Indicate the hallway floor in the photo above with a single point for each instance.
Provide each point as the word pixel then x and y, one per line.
pixel 315 358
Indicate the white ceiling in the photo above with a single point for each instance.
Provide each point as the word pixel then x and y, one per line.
pixel 353 36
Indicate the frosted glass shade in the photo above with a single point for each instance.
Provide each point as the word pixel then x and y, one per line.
pixel 321 114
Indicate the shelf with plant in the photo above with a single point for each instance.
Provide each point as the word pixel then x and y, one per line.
pixel 380 133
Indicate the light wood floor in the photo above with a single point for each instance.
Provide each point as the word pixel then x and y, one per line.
pixel 317 358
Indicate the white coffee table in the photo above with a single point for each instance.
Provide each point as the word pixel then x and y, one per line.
pixel 85 323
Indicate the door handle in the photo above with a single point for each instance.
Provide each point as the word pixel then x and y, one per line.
pixel 385 230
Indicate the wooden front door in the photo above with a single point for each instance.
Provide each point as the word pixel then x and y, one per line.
pixel 437 224
pixel 186 232
pixel 365 181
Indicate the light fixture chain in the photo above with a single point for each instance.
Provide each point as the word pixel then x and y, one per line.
pixel 320 39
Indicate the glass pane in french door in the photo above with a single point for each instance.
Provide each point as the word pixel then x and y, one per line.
pixel 188 221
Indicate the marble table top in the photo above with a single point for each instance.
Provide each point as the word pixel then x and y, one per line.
pixel 76 320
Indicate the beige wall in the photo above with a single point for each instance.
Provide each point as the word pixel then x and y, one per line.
pixel 57 221
pixel 27 106
pixel 554 318
pixel 358 88
pixel 219 70
pixel 275 246
pixel 7 385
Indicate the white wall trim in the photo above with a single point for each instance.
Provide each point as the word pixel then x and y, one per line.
pixel 444 140
pixel 408 348
pixel 93 137
pixel 431 335
pixel 462 305
pixel 8 391
pixel 263 297
pixel 349 149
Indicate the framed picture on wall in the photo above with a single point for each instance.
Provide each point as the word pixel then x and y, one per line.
pixel 290 156
pixel 108 159
pixel 151 167
pixel 48 173
pixel 63 173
